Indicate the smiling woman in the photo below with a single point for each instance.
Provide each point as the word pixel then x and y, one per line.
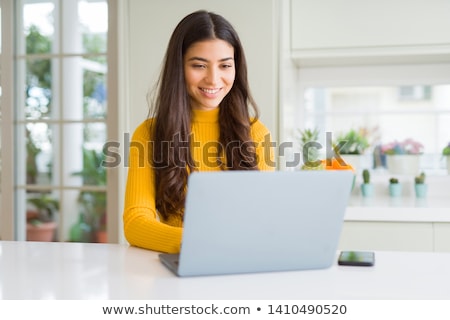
pixel 201 121
pixel 209 73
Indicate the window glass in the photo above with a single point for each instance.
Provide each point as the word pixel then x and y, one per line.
pixel 83 154
pixel 38 28
pixel 86 30
pixel 61 70
pixel 84 90
pixel 384 114
pixel 39 153
pixel 38 89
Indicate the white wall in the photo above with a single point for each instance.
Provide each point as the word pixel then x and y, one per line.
pixel 152 22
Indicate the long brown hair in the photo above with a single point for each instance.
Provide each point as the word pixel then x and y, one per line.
pixel 171 128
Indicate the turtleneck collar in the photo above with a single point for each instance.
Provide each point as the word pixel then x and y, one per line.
pixel 209 116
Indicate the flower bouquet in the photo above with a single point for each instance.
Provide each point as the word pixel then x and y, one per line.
pixel 407 146
pixel 402 157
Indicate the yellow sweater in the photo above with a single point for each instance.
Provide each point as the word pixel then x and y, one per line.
pixel 142 225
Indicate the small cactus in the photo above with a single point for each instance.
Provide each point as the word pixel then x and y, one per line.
pixel 393 180
pixel 420 179
pixel 366 176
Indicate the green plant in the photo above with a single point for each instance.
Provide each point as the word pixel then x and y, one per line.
pixel 93 203
pixel 309 151
pixel 352 142
pixel 446 150
pixel 45 206
pixel 420 179
pixel 308 135
pixel 393 181
pixel 93 172
pixel 32 152
pixel 319 165
pixel 366 176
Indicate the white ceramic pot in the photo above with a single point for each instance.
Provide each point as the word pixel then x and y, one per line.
pixel 403 164
pixel 359 162
pixel 354 160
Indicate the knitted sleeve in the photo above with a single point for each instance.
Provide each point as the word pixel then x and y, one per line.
pixel 264 146
pixel 142 227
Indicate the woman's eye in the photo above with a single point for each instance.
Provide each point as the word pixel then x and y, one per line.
pixel 199 66
pixel 226 66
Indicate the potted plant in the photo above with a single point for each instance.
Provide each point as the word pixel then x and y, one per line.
pixel 352 145
pixel 353 142
pixel 367 188
pixel 93 203
pixel 40 217
pixel 81 231
pixel 403 157
pixel 395 188
pixel 420 187
pixel 309 152
pixel 446 154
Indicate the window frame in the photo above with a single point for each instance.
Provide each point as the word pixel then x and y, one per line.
pixel 10 213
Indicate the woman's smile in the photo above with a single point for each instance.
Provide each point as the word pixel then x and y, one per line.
pixel 209 72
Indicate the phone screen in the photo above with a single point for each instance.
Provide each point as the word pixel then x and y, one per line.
pixel 356 258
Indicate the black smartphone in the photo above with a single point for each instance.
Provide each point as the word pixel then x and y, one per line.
pixel 356 258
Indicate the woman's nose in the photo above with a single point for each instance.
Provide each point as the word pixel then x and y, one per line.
pixel 212 76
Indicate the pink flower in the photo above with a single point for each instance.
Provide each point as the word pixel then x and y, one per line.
pixel 408 146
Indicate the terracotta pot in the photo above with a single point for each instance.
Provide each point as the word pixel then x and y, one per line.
pixel 42 232
pixel 102 236
pixel 32 214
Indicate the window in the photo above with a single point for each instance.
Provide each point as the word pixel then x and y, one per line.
pixel 389 102
pixel 61 111
pixel 1 59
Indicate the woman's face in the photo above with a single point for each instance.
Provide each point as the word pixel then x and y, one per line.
pixel 209 72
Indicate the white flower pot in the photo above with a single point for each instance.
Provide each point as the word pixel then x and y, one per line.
pixel 358 161
pixel 448 164
pixel 403 164
pixel 354 160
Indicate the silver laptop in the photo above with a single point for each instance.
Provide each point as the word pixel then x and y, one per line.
pixel 255 221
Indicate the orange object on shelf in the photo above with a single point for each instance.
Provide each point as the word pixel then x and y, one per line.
pixel 334 164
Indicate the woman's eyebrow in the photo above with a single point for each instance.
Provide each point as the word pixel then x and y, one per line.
pixel 206 60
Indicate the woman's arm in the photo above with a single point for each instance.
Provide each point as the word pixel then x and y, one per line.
pixel 142 227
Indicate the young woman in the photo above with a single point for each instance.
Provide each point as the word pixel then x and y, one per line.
pixel 201 121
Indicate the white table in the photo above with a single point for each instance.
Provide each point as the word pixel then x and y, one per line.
pixel 38 270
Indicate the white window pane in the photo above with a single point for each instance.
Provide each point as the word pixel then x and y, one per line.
pixel 38 22
pixel 85 26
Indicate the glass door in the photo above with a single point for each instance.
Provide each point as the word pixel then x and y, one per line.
pixel 61 119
